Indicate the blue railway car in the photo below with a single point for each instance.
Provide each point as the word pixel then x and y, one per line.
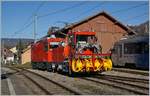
pixel 132 52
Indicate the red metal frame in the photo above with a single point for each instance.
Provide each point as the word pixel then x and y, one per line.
pixel 108 54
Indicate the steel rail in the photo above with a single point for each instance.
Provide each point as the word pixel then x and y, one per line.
pixel 114 85
pixel 125 78
pixel 126 83
pixel 56 83
pixel 33 81
pixel 146 73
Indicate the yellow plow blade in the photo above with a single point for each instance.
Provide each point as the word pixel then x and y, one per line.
pixel 88 64
pixel 77 65
pixel 107 64
pixel 97 65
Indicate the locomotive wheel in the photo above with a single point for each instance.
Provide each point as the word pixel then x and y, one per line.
pixel 33 65
pixel 54 68
pixel 49 67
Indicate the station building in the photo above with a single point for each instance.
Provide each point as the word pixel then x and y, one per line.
pixel 108 29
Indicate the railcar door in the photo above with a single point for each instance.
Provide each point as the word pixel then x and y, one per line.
pixel 119 55
pixel 146 56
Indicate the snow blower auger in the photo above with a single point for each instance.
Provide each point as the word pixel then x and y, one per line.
pixel 107 64
pixel 77 65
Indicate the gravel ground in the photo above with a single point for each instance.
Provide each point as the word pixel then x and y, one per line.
pixel 54 89
pixel 87 87
pixel 4 87
pixel 116 73
pixel 21 85
pixel 121 85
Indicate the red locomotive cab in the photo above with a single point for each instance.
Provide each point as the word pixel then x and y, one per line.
pixel 55 50
pixel 47 52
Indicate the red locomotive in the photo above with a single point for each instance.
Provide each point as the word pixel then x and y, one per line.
pixel 79 52
pixel 46 52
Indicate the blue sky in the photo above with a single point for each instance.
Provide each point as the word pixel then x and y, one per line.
pixel 16 13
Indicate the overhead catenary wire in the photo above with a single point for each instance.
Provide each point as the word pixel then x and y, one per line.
pixel 68 8
pixel 89 10
pixel 27 23
pixel 127 9
pixel 62 10
pixel 25 27
pixel 121 10
pixel 137 16
pixel 113 12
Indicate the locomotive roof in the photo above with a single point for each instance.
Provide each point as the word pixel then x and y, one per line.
pixel 135 39
pixel 49 38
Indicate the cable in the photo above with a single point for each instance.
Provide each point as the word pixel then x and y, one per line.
pixel 25 25
pixel 39 7
pixel 126 9
pixel 137 16
pixel 58 11
pixel 98 5
pixel 121 10
pixel 61 10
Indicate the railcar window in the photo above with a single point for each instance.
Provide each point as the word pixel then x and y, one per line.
pixel 114 50
pixel 146 48
pixel 120 50
pixel 133 48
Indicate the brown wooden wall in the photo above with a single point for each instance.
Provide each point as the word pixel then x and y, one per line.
pixel 107 31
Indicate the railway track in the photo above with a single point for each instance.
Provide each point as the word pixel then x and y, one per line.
pixel 28 74
pixel 124 85
pixel 127 81
pixel 125 78
pixel 133 83
pixel 33 81
pixel 138 72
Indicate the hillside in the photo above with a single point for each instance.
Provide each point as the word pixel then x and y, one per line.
pixel 141 28
pixel 11 42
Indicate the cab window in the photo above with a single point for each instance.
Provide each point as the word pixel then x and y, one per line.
pixel 53 45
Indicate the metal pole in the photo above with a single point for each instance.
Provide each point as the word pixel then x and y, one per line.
pixel 146 29
pixel 35 28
